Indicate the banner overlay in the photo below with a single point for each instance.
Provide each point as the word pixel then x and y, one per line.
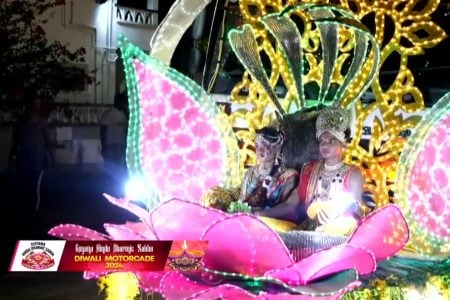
pixel 109 256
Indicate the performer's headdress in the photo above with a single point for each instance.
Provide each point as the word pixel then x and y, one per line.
pixel 334 120
pixel 274 136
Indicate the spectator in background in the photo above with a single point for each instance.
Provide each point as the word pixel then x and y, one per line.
pixel 34 153
pixel 113 135
pixel 34 148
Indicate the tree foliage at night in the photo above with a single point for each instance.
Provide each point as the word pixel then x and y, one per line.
pixel 30 64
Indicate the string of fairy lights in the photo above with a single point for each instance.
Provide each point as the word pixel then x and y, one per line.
pixel 381 160
pixel 174 122
pixel 426 207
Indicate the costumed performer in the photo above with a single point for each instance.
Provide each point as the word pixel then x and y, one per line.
pixel 269 183
pixel 331 190
pixel 328 196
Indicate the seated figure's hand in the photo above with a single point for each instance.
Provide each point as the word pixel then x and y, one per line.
pixel 257 198
pixel 343 225
pixel 333 220
pixel 257 211
pixel 315 208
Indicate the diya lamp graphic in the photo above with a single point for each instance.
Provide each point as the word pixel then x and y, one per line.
pixel 186 256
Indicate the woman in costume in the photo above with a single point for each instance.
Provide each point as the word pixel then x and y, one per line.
pixel 268 183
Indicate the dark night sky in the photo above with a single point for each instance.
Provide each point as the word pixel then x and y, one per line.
pixel 439 55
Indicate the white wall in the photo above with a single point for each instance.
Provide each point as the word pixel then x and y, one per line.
pixel 84 23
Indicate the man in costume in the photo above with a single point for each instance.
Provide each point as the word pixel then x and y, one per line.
pixel 330 190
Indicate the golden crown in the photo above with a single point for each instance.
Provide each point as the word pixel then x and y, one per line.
pixel 334 120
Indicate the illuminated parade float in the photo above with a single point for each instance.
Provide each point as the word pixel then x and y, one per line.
pixel 307 234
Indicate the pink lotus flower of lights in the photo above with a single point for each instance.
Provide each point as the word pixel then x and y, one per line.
pixel 243 251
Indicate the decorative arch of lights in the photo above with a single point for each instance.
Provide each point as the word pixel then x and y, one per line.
pixel 380 159
pixel 410 18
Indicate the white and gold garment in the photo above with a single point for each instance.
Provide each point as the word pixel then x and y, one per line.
pixel 329 203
